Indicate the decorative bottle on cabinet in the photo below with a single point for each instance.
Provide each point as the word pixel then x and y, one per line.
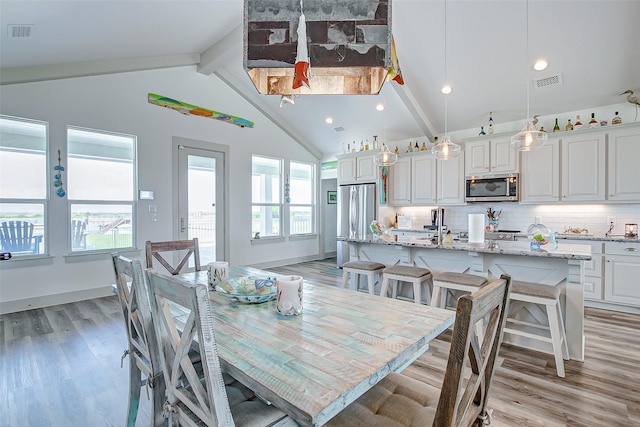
pixel 556 127
pixel 593 123
pixel 416 148
pixel 482 132
pixel 617 120
pixel 353 147
pixel 366 145
pixel 490 123
pixel 578 123
pixel 375 142
pixel 569 126
pixel 424 147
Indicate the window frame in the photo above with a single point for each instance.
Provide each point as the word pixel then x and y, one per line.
pixel 44 202
pixel 280 204
pixel 71 203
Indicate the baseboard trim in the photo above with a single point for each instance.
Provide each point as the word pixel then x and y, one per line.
pixel 55 299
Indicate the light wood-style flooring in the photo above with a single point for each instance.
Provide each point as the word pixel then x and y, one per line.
pixel 60 366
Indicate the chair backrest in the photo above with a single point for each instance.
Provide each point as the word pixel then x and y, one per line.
pixel 136 308
pixel 477 334
pixel 208 399
pixel 154 250
pixel 17 236
pixel 78 234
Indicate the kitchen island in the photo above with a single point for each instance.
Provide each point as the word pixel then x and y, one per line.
pixel 547 267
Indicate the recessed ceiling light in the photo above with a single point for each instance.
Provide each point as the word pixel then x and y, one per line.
pixel 446 89
pixel 540 65
pixel 380 107
pixel 329 120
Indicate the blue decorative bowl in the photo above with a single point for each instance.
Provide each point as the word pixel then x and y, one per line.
pixel 248 289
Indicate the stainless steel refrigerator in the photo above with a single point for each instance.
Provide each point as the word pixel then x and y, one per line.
pixel 356 210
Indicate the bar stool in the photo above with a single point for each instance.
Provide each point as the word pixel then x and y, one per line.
pixel 404 273
pixel 549 296
pixel 454 281
pixel 365 268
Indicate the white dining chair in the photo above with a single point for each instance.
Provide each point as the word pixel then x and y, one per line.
pixel 144 358
pixel 192 400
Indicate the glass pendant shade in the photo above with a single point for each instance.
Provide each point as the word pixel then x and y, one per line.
pixel 384 157
pixel 529 138
pixel 445 149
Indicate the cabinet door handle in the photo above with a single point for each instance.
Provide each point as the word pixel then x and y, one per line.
pixel 631 249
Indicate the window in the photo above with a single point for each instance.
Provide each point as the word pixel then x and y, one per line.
pixel 101 189
pixel 301 206
pixel 23 186
pixel 266 200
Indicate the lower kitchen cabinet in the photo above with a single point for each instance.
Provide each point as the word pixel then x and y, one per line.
pixel 621 273
pixel 592 269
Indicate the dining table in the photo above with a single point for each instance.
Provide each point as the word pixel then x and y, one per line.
pixel 315 364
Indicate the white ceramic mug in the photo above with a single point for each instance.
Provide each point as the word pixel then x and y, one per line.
pixel 217 272
pixel 289 299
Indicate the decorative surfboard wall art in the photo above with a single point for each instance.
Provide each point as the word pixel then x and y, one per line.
pixel 188 109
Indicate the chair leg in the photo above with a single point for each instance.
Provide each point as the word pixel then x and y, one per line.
pixel 135 382
pixel 435 298
pixel 345 278
pixel 371 281
pixel 556 338
pixel 565 346
pixel 417 292
pixel 159 397
pixel 384 288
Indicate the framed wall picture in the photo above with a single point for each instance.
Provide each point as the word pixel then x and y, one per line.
pixel 332 197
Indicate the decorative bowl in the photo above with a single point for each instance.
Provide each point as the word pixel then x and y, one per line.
pixel 249 289
pixel 540 235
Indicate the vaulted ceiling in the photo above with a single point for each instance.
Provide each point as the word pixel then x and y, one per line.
pixel 592 46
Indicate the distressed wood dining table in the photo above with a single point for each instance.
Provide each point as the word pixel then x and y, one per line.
pixel 314 365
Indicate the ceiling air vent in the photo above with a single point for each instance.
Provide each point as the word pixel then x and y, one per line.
pixel 339 129
pixel 548 81
pixel 19 31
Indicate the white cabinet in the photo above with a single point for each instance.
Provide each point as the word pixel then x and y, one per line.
pixel 400 177
pixel 569 169
pixel 583 167
pixel 622 269
pixel 413 181
pixel 540 174
pixel 488 156
pixel 592 269
pixel 451 181
pixel 357 169
pixel 622 164
pixel 423 178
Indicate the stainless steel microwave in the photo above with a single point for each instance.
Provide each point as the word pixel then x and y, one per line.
pixel 494 188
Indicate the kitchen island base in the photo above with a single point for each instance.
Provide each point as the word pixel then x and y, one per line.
pixel 544 268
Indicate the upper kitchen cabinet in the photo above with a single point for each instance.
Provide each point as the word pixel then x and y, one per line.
pixel 569 169
pixel 622 164
pixel 583 167
pixel 357 168
pixel 492 155
pixel 450 180
pixel 540 176
pixel 413 181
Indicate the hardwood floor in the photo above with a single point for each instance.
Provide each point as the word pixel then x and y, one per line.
pixel 60 366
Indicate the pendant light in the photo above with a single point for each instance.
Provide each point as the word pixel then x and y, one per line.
pixel 529 138
pixel 384 157
pixel 445 149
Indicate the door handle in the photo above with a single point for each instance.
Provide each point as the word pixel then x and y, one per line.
pixel 182 227
pixel 631 249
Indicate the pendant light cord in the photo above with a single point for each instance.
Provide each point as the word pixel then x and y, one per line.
pixel 446 106
pixel 527 60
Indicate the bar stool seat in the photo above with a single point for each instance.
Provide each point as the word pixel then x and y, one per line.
pixel 404 273
pixel 454 281
pixel 369 269
pixel 554 333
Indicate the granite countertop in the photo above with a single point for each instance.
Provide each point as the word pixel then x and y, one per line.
pixel 565 251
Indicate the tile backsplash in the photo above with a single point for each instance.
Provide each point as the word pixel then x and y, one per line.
pixel 518 217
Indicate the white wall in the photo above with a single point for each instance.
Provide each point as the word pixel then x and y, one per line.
pixel 118 103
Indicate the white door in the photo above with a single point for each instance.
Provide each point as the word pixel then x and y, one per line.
pixel 200 196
